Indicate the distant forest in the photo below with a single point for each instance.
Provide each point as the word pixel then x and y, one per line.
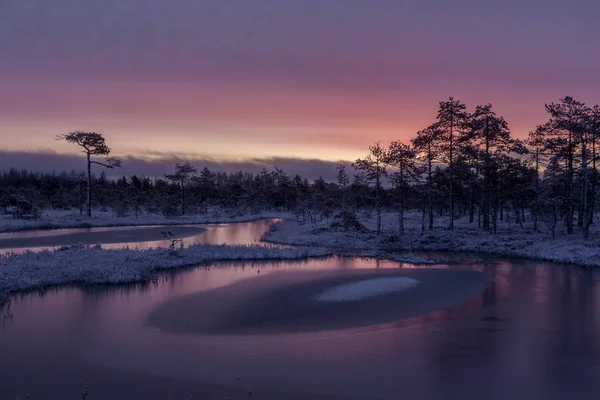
pixel 465 164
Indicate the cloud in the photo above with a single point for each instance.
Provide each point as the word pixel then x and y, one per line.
pixel 161 163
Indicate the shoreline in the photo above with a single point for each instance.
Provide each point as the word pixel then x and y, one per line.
pixel 515 243
pixel 132 234
pixel 83 266
pixel 72 220
pixel 536 247
pixel 305 247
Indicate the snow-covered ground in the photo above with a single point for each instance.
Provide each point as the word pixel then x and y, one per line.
pixel 57 219
pixel 93 265
pixel 510 241
pixel 368 288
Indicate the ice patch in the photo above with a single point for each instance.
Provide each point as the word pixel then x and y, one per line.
pixel 364 289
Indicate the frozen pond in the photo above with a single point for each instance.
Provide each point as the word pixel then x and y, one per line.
pixel 529 332
pixel 365 289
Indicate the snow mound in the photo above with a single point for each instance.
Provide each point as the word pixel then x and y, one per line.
pixel 367 288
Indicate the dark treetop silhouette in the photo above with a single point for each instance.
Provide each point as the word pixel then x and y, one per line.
pixel 93 144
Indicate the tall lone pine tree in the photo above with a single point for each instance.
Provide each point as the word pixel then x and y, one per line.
pixel 93 144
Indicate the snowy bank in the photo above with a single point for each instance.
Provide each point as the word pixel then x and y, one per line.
pixel 365 289
pixel 56 219
pixel 510 241
pixel 93 265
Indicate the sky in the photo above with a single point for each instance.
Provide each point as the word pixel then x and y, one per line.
pixel 235 81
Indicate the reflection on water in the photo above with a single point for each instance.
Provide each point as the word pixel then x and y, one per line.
pixel 35 233
pixel 243 233
pixel 533 332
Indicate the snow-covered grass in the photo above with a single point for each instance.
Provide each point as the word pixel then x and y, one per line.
pixel 58 219
pixel 368 288
pixel 510 241
pixel 411 258
pixel 94 265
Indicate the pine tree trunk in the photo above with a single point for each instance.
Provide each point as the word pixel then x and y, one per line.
pixel 423 213
pixel 496 207
pixel 430 194
pixel 89 186
pixel 486 212
pixel 570 210
pixel 585 190
pixel 451 167
pixel 401 221
pixel 401 211
pixel 537 190
pixel 80 195
pixel 495 218
pixel 594 180
pixel 471 204
pixel 377 203
pixel 182 198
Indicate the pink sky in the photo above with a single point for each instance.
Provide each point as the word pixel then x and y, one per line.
pixel 305 79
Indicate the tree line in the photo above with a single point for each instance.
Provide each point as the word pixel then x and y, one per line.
pixel 467 164
pixel 464 164
pixel 181 192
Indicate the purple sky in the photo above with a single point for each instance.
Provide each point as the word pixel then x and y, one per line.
pixel 298 79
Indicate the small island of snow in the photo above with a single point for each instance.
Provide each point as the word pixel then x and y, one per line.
pixel 364 289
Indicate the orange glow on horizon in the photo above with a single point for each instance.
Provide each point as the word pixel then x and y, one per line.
pixel 221 121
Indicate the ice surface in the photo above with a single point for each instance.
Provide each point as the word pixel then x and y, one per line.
pixel 365 289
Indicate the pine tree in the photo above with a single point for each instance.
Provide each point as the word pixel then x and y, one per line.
pixel 343 180
pixel 452 119
pixel 182 176
pixel 93 144
pixel 564 135
pixel 426 144
pixel 535 142
pixel 372 170
pixel 402 158
pixel 489 138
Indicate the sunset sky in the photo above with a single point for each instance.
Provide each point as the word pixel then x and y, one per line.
pixel 309 79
